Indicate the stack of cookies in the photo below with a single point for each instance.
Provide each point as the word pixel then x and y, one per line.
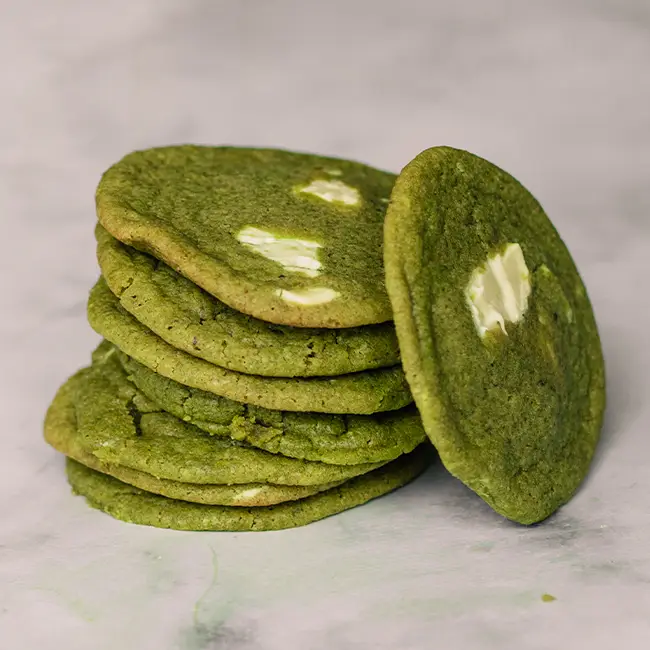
pixel 249 376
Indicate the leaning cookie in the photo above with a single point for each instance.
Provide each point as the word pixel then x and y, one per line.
pixel 498 337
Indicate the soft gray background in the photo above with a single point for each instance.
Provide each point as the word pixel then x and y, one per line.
pixel 557 92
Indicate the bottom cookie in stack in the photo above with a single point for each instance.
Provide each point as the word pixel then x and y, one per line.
pixel 134 505
pixel 134 460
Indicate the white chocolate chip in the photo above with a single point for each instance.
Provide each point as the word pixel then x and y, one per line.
pixel 310 296
pixel 333 191
pixel 498 291
pixel 249 494
pixel 107 355
pixel 295 255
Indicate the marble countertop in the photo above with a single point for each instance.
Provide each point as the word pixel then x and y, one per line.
pixel 557 92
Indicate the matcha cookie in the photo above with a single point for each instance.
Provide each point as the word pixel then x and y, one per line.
pixel 497 334
pixel 288 238
pixel 136 506
pixel 61 433
pixel 338 439
pixel 365 392
pixel 192 320
pixel 118 428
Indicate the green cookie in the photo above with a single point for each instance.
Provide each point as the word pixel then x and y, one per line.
pixel 289 238
pixel 136 506
pixel 61 432
pixel 118 428
pixel 192 320
pixel 365 392
pixel 338 439
pixel 497 334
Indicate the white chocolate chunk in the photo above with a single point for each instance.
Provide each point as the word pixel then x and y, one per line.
pixel 295 255
pixel 310 296
pixel 498 292
pixel 333 191
pixel 107 355
pixel 249 494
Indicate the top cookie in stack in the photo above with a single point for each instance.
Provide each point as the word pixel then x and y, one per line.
pixel 243 303
pixel 292 239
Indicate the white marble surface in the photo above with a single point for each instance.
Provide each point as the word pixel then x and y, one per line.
pixel 557 92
